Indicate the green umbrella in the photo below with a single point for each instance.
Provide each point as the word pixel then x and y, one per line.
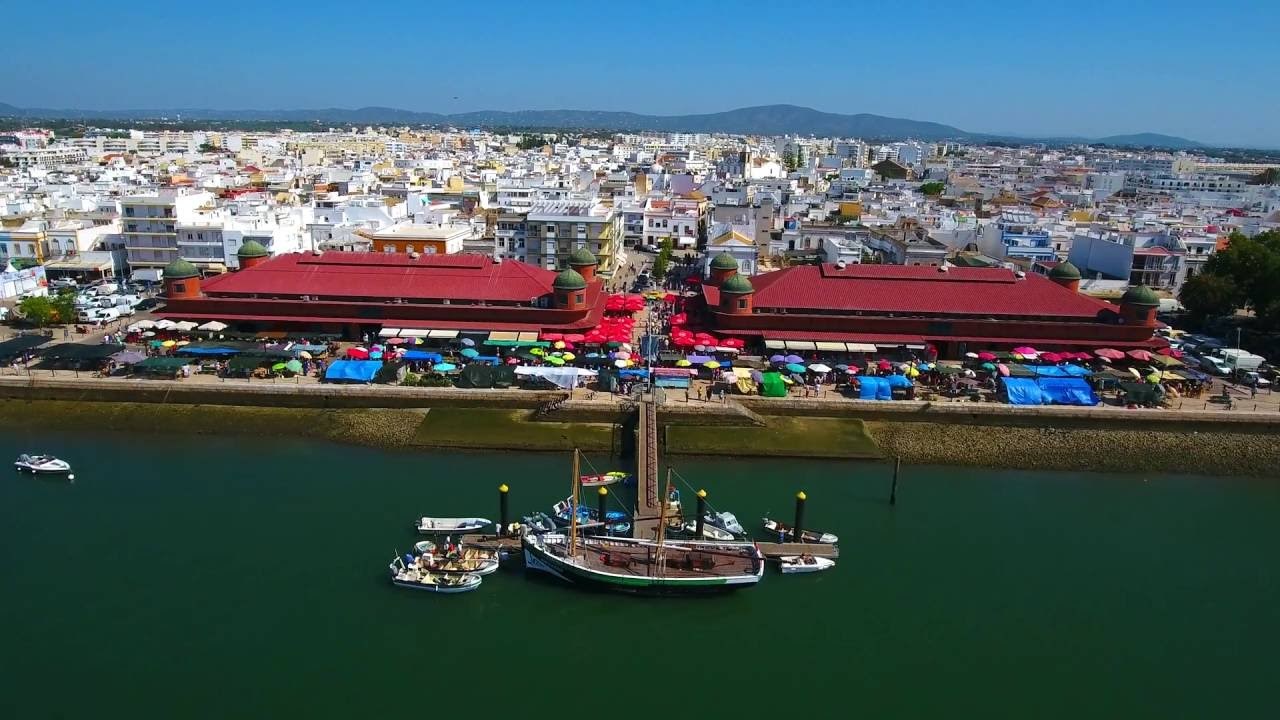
pixel 278 366
pixel 989 367
pixel 293 366
pixel 555 360
pixel 613 345
pixel 470 353
pixel 793 367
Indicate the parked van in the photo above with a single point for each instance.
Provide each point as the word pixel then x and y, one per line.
pixel 1214 365
pixel 1240 359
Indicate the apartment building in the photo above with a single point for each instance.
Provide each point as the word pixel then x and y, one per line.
pixel 149 224
pixel 409 237
pixel 555 229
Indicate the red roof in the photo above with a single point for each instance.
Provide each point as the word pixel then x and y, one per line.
pixel 338 275
pixel 1153 250
pixel 917 290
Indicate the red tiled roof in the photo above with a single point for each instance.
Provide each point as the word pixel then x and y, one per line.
pixel 917 290
pixel 387 275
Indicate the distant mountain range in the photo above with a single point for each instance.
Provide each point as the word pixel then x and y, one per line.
pixel 761 120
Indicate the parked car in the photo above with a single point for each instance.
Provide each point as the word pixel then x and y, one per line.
pixel 89 315
pixel 1215 366
pixel 1251 378
pixel 645 247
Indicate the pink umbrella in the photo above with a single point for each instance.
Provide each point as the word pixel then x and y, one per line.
pixel 1051 357
pixel 1171 352
pixel 575 337
pixel 1142 355
pixel 358 353
pixel 1024 350
pixel 1003 369
pixel 1108 353
pixel 986 356
pixel 552 336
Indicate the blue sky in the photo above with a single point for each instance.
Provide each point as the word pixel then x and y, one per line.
pixel 1202 70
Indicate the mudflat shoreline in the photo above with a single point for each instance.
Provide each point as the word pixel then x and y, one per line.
pixel 1029 441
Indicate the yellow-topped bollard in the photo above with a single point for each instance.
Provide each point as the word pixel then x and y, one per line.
pixel 603 491
pixel 503 517
pixel 798 528
pixel 702 513
pixel 702 493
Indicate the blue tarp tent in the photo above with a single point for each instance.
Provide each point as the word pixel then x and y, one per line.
pixel 1077 371
pixel 423 355
pixel 875 388
pixel 352 370
pixel 1051 371
pixel 1067 391
pixel 898 381
pixel 636 373
pixel 1022 391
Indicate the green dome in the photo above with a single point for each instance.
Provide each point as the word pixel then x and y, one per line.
pixel 1140 295
pixel 1065 271
pixel 569 280
pixel 252 249
pixel 737 284
pixel 724 261
pixel 180 270
pixel 581 257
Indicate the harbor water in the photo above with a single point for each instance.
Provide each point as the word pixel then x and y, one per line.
pixel 206 577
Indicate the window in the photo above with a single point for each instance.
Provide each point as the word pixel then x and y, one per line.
pixel 580 298
pixel 742 303
pixel 388 248
pixel 408 248
pixel 551 229
pixel 179 288
pixel 562 299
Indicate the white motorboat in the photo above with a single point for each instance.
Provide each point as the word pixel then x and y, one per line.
pixel 411 577
pixel 43 464
pixel 807 536
pixel 794 564
pixel 725 520
pixel 456 559
pixel 450 526
pixel 709 531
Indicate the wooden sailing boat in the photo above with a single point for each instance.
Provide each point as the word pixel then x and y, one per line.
pixel 650 567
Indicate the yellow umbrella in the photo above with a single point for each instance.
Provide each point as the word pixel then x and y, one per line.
pixel 559 345
pixel 712 364
pixel 568 356
pixel 304 355
pixel 168 343
pixel 183 342
pixel 683 363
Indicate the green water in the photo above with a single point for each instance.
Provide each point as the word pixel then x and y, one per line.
pixel 227 578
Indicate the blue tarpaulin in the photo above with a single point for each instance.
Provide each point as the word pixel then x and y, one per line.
pixel 1067 391
pixel 637 373
pixel 1061 371
pixel 1022 391
pixel 898 381
pixel 352 370
pixel 423 355
pixel 207 350
pixel 672 382
pixel 875 388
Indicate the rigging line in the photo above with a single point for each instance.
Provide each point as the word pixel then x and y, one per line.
pixel 711 508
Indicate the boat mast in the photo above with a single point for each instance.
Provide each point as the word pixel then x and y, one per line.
pixel 573 507
pixel 660 556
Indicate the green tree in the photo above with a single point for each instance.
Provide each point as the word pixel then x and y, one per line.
pixel 531 142
pixel 1208 295
pixel 789 160
pixel 64 306
pixel 1250 266
pixel 663 262
pixel 38 310
pixel 1270 176
pixel 208 147
pixel 932 188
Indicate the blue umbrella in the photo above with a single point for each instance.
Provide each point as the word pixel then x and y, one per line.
pixel 793 359
pixel 468 342
pixel 795 368
pixel 777 359
pixel 470 353
pixel 842 367
pixel 445 367
pixel 726 363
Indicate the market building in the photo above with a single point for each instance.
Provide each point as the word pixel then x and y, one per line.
pixel 955 310
pixel 354 294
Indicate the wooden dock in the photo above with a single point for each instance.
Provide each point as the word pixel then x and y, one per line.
pixel 770 550
pixel 648 494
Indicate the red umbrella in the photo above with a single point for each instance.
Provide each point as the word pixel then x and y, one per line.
pixel 669 298
pixel 574 337
pixel 986 356
pixel 679 319
pixel 552 336
pixel 1108 353
pixel 1051 357
pixel 1171 352
pixel 732 343
pixel 1142 355
pixel 358 353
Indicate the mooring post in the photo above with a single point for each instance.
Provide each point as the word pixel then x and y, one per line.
pixel 893 491
pixel 702 511
pixel 602 497
pixel 798 527
pixel 503 518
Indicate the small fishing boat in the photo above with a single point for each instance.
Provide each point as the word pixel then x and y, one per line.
pixel 453 565
pixel 809 536
pixel 414 578
pixel 616 522
pixel 42 464
pixel 488 559
pixel 795 564
pixel 608 478
pixel 709 531
pixel 725 521
pixel 450 526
